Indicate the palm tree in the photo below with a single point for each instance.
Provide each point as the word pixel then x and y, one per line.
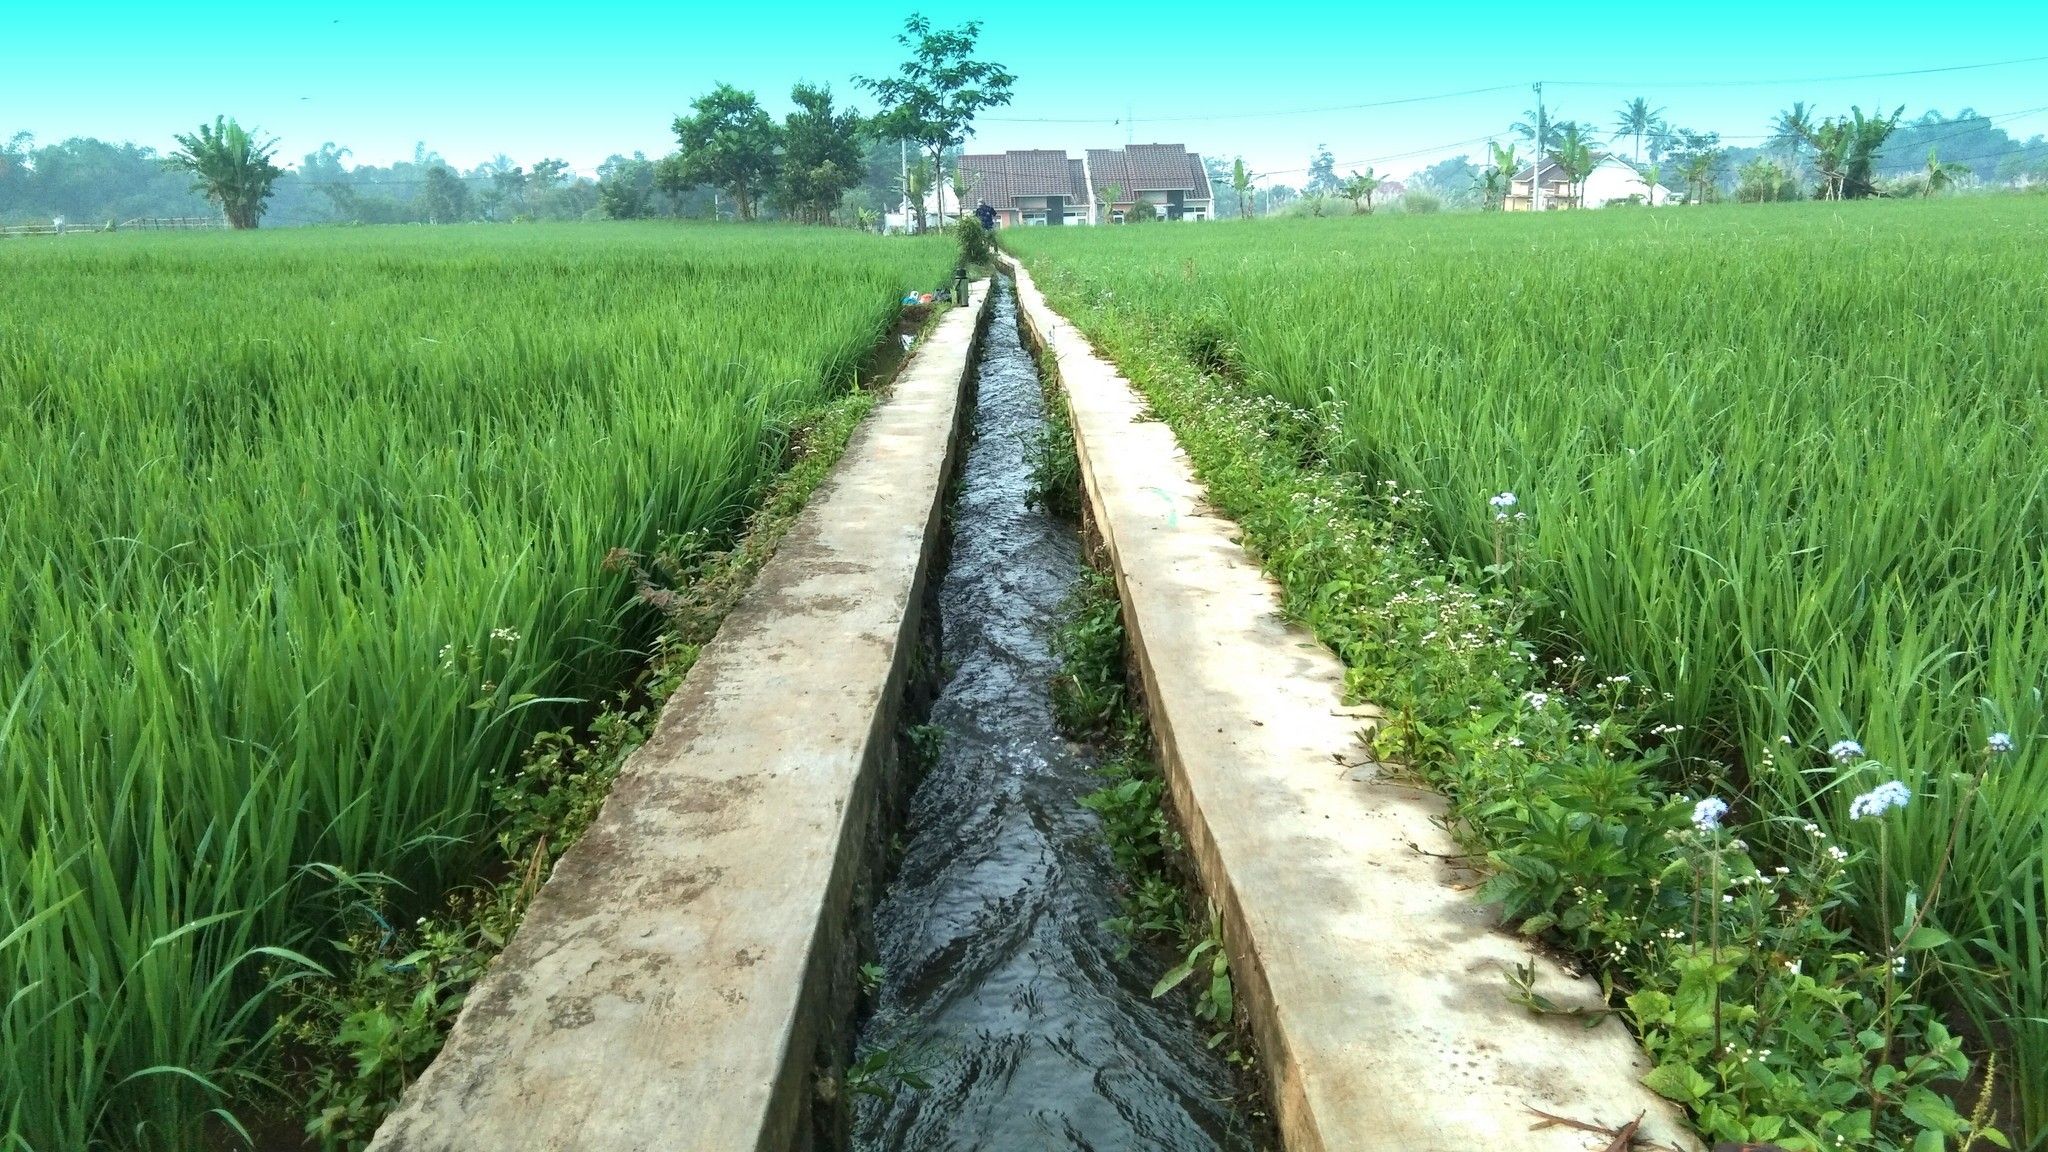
pixel 1575 157
pixel 1241 182
pixel 1941 176
pixel 1639 120
pixel 917 184
pixel 1793 130
pixel 230 168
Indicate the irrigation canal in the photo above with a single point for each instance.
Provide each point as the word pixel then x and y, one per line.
pixel 1002 985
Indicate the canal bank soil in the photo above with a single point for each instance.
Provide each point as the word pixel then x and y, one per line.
pixel 1375 980
pixel 1028 1021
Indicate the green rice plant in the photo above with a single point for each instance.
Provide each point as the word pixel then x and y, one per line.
pixel 302 542
pixel 1785 463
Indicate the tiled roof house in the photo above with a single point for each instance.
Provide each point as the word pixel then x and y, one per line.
pixel 1038 185
pixel 1166 176
pixel 1041 186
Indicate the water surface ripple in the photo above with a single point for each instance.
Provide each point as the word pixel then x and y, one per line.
pixel 997 964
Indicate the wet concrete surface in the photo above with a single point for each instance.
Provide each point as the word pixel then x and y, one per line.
pixel 1002 987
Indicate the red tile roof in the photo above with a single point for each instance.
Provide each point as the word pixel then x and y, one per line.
pixel 1149 168
pixel 1001 177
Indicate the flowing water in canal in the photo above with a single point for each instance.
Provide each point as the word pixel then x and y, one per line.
pixel 1001 982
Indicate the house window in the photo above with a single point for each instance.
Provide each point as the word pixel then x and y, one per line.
pixel 1034 219
pixel 1073 218
pixel 1116 217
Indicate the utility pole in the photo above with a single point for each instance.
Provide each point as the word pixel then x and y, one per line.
pixel 1536 165
pixel 903 146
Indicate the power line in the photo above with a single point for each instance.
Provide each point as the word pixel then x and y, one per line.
pixel 1401 100
pixel 1262 115
pixel 1780 82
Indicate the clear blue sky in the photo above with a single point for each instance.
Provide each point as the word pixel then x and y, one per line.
pixel 584 81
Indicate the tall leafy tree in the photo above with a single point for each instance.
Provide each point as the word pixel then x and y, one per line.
pixel 1637 119
pixel 1241 183
pixel 445 199
pixel 229 167
pixel 1845 150
pixel 936 94
pixel 1322 174
pixel 821 154
pixel 730 144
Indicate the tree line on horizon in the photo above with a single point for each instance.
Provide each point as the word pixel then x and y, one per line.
pixel 1849 156
pixel 826 164
pixel 731 158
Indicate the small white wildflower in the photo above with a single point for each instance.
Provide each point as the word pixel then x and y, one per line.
pixel 1706 815
pixel 1504 500
pixel 1898 965
pixel 1537 700
pixel 1845 751
pixel 1792 966
pixel 1879 800
pixel 1785 740
pixel 1999 744
pixel 1837 853
pixel 505 635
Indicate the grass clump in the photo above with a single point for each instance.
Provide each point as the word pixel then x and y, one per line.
pixel 1726 932
pixel 306 537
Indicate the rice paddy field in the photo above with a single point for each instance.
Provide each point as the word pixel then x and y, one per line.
pixel 1788 464
pixel 303 538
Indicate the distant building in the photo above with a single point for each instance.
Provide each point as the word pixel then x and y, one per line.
pixel 1166 176
pixel 1034 187
pixel 1038 186
pixel 1610 181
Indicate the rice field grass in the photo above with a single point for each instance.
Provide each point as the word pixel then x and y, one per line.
pixel 1788 464
pixel 303 538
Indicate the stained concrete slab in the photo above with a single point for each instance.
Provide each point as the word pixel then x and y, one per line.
pixel 1374 980
pixel 666 988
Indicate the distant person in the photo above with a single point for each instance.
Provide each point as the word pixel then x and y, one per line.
pixel 986 215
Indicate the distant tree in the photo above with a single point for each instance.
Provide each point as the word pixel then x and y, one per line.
pixel 821 154
pixel 1791 131
pixel 1576 158
pixel 229 167
pixel 1867 137
pixel 1699 159
pixel 1108 194
pixel 1941 176
pixel 1538 128
pixel 625 187
pixel 445 199
pixel 730 144
pixel 1500 175
pixel 1758 180
pixel 1457 182
pixel 506 187
pixel 1637 119
pixel 917 188
pixel 1845 150
pixel 1322 174
pixel 1241 183
pixel 1141 212
pixel 1700 169
pixel 937 93
pixel 1360 188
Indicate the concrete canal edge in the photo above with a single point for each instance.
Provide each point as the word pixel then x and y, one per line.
pixel 1374 981
pixel 685 976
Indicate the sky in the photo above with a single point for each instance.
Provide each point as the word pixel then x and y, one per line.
pixel 1393 86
